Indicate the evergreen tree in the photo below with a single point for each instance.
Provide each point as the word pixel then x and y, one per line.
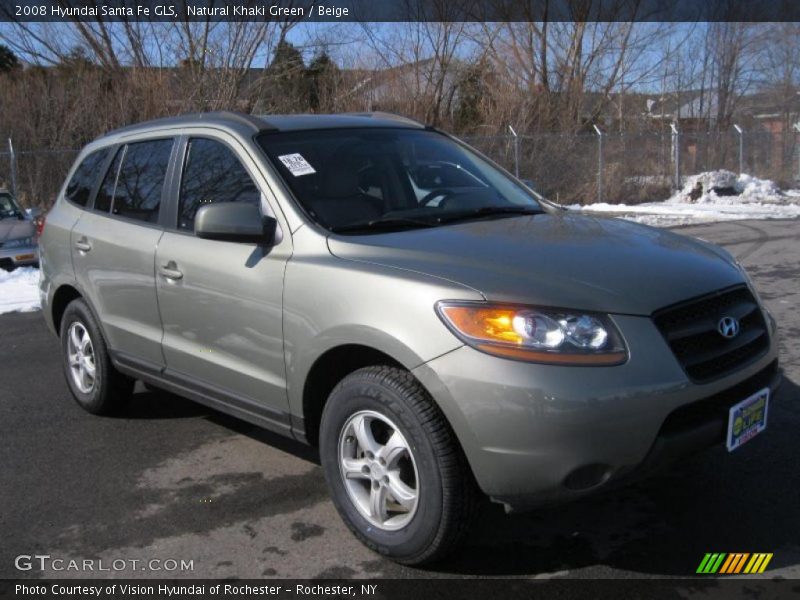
pixel 287 89
pixel 8 60
pixel 321 75
pixel 472 94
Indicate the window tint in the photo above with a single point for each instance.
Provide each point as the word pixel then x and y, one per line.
pixel 106 192
pixel 141 180
pixel 80 186
pixel 213 173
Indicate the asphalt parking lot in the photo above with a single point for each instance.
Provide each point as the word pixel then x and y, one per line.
pixel 174 480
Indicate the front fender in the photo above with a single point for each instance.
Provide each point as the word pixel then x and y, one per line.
pixel 383 308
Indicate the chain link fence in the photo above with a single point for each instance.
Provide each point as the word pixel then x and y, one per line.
pixel 35 175
pixel 568 168
pixel 638 167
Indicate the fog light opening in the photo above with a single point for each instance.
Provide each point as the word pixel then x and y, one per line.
pixel 587 477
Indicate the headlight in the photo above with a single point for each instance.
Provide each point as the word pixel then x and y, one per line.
pixel 19 243
pixel 563 337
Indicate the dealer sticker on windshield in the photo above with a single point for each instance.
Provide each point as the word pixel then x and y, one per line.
pixel 296 164
pixel 747 419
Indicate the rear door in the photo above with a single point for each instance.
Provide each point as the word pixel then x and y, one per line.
pixel 114 246
pixel 221 302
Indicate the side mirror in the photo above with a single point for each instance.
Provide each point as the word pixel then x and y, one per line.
pixel 235 222
pixel 34 212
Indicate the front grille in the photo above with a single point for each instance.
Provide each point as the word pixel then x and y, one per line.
pixel 690 329
pixel 716 407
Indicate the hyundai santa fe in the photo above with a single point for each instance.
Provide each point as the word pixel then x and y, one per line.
pixel 379 289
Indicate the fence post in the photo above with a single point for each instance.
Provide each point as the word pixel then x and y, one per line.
pixel 12 164
pixel 741 147
pixel 676 154
pixel 797 135
pixel 599 163
pixel 516 151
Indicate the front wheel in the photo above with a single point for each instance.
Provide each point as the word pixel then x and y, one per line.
pixel 395 470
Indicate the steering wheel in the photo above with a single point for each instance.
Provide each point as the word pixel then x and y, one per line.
pixel 443 192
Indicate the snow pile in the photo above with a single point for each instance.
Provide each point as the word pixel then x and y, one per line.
pixel 19 290
pixel 724 187
pixel 708 197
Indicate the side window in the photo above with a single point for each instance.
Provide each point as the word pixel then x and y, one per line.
pixel 213 173
pixel 106 192
pixel 141 180
pixel 80 185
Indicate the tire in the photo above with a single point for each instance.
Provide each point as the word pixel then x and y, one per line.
pixel 108 391
pixel 383 400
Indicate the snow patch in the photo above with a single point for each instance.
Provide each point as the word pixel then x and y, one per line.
pixel 708 197
pixel 19 290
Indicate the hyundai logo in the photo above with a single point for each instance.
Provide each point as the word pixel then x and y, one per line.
pixel 728 327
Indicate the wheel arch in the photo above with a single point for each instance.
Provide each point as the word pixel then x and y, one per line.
pixel 330 368
pixel 65 294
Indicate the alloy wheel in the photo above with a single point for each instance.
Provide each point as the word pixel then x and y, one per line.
pixel 80 357
pixel 379 470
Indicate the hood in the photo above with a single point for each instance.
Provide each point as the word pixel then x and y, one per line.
pixel 558 260
pixel 12 228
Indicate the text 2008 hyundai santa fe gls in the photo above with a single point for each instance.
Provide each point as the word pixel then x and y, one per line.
pixel 376 287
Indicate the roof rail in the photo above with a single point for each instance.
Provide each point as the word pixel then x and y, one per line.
pixel 251 121
pixel 387 115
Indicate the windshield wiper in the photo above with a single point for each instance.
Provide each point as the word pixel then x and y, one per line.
pixel 489 211
pixel 385 223
pixel 408 222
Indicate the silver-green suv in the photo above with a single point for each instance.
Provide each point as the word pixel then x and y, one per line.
pixel 379 289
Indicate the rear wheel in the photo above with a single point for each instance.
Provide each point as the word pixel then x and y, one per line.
pixel 395 470
pixel 95 384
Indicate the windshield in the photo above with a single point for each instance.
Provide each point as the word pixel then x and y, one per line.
pixel 8 208
pixel 359 180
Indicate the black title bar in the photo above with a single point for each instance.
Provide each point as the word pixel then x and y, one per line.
pixel 400 10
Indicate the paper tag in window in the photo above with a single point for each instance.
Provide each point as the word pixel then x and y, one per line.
pixel 296 164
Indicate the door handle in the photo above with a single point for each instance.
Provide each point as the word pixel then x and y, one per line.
pixel 83 244
pixel 170 271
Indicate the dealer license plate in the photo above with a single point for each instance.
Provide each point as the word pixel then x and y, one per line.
pixel 747 419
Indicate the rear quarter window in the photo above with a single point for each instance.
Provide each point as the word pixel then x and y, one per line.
pixel 81 184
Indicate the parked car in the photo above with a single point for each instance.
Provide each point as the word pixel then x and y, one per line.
pixel 377 288
pixel 18 234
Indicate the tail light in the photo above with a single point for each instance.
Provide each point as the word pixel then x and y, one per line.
pixel 39 223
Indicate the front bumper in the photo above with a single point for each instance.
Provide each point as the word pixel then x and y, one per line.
pixel 11 258
pixel 535 434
